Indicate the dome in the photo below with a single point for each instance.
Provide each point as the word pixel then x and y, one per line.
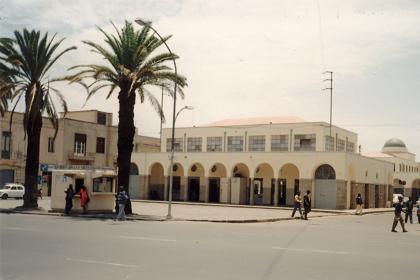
pixel 394 142
pixel 394 145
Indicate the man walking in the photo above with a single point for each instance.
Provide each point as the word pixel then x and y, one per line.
pixel 398 216
pixel 409 210
pixel 307 204
pixel 297 205
pixel 122 198
pixel 359 204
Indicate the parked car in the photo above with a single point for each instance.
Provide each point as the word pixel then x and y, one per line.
pixel 12 190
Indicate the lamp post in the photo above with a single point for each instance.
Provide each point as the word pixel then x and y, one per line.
pixel 149 24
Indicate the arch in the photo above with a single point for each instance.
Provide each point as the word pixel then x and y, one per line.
pixel 264 170
pixel 196 169
pixel 240 170
pixel 325 172
pixel 134 170
pixel 288 183
pixel 178 170
pixel 157 182
pixel 416 183
pixel 217 170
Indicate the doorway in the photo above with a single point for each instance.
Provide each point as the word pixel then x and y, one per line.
pixel 366 204
pixel 193 188
pixel 282 192
pixel 214 190
pixel 258 191
pixel 78 183
pixel 376 196
pixel 176 188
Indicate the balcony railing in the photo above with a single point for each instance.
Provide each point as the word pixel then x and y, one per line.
pixel 84 157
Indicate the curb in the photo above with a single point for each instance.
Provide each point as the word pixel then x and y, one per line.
pixel 162 219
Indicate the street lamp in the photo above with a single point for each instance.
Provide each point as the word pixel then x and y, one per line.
pixel 182 109
pixel 149 24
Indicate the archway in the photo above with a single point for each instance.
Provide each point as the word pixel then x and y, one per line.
pixel 288 184
pixel 134 182
pixel 157 182
pixel 178 186
pixel 325 187
pixel 415 191
pixel 239 184
pixel 217 183
pixel 196 183
pixel 263 184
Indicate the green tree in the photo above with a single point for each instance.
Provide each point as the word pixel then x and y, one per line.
pixel 25 61
pixel 132 67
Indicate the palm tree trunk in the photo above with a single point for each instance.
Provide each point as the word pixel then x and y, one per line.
pixel 33 131
pixel 126 132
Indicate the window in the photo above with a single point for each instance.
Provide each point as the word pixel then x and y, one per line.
pixel 5 144
pixel 178 143
pixel 329 143
pixel 350 147
pixel 100 145
pixel 101 118
pixel 102 184
pixel 80 144
pixel 305 142
pixel 51 145
pixel 256 143
pixel 194 144
pixel 214 144
pixel 235 143
pixel 280 143
pixel 340 145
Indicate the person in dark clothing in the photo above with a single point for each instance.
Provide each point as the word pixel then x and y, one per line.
pixel 398 216
pixel 69 199
pixel 307 204
pixel 297 205
pixel 359 204
pixel 122 198
pixel 409 210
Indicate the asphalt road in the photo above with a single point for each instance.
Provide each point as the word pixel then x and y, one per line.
pixel 346 247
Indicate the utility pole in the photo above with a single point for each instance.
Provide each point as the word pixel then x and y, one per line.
pixel 331 92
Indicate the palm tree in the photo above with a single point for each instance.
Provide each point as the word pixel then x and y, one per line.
pixel 132 67
pixel 25 61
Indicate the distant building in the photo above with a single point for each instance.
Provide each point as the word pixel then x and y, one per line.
pixel 85 140
pixel 406 170
pixel 265 161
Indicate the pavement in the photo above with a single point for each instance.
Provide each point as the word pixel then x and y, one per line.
pixel 339 247
pixel 184 211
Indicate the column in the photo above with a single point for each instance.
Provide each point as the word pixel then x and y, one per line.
pixel 206 190
pixel 146 187
pixel 276 192
pixel 348 204
pixel 251 192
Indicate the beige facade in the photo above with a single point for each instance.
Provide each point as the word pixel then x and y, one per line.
pixel 406 179
pixel 85 139
pixel 264 162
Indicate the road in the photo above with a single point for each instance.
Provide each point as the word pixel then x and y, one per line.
pixel 340 247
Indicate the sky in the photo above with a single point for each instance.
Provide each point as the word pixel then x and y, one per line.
pixel 258 59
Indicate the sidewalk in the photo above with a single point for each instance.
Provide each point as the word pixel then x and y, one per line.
pixel 198 212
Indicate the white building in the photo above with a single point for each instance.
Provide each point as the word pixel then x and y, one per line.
pixel 265 161
pixel 406 169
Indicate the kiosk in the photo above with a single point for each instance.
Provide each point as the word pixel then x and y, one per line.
pixel 100 184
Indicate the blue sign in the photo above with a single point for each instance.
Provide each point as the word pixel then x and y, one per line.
pixel 44 167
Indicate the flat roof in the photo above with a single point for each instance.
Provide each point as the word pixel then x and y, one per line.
pixel 257 120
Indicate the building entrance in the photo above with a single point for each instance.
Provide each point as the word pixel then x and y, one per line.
pixel 193 188
pixel 282 192
pixel 214 190
pixel 176 188
pixel 258 191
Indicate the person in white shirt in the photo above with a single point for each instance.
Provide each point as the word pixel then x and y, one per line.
pixel 297 205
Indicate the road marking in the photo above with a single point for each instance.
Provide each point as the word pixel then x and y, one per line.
pixel 147 238
pixel 100 262
pixel 24 229
pixel 312 251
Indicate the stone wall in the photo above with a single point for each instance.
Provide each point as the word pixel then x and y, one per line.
pixel 341 196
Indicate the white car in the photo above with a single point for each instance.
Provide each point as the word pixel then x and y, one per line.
pixel 12 190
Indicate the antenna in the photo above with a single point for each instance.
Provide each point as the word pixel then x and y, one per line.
pixel 331 92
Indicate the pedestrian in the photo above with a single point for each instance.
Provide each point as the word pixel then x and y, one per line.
pixel 84 199
pixel 297 205
pixel 122 198
pixel 398 216
pixel 69 199
pixel 359 204
pixel 307 207
pixel 40 193
pixel 409 210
